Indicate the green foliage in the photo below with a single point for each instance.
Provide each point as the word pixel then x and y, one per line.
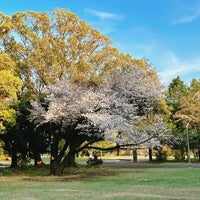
pixel 23 161
pixel 161 155
pixel 5 171
pixel 175 92
pixel 92 161
pixel 195 86
pixel 1 150
pixel 7 115
pixel 185 105
pixel 176 89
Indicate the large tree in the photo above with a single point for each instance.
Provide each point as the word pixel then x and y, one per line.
pixel 55 46
pixel 82 114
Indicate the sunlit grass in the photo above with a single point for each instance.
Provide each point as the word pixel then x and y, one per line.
pixel 101 183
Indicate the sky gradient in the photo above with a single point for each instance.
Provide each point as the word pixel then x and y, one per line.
pixel 166 32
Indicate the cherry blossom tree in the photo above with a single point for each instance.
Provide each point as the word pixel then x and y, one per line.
pixel 82 114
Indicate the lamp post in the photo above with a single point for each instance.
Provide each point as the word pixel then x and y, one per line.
pixel 188 142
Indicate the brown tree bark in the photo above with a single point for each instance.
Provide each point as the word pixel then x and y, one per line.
pixel 54 155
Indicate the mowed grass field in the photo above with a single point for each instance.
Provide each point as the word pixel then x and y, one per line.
pixel 104 183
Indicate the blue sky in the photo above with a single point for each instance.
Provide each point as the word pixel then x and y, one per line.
pixel 166 32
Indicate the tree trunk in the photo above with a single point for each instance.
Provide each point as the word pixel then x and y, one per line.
pixel 134 155
pixel 58 163
pixel 71 161
pixel 54 155
pixel 118 150
pixel 198 153
pixel 68 161
pixel 150 154
pixel 53 166
pixel 182 153
pixel 14 156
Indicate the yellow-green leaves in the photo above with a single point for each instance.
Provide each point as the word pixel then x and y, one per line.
pixel 5 24
pixel 7 115
pixel 6 63
pixel 10 85
pixel 54 45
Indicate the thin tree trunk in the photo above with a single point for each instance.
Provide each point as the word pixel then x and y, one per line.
pixel 14 156
pixel 182 153
pixel 134 155
pixel 198 152
pixel 118 151
pixel 150 154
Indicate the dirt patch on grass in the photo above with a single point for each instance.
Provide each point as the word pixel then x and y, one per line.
pixel 41 173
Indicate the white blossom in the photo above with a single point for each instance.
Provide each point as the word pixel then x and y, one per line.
pixel 112 107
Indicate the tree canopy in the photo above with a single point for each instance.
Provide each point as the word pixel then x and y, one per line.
pixel 53 45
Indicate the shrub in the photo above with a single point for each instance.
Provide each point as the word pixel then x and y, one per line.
pixel 161 156
pixel 94 160
pixel 5 171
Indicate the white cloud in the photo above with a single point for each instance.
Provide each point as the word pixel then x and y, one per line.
pixel 104 15
pixel 168 64
pixel 190 15
pixel 173 66
pixel 105 22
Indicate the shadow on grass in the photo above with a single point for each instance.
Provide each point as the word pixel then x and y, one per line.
pixel 41 173
pixel 86 172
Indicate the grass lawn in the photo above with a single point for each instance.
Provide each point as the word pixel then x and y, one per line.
pixel 103 183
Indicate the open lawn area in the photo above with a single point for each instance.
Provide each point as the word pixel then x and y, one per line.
pixel 97 183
